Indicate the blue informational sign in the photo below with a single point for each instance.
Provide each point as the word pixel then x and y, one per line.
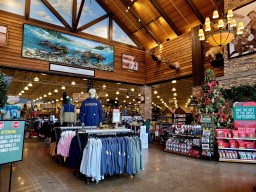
pixel 11 141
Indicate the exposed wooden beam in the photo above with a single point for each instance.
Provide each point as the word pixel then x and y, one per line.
pixel 79 14
pixel 146 24
pixel 196 11
pixel 141 22
pixel 120 24
pixel 74 11
pixel 61 19
pixel 166 17
pixel 92 23
pixel 27 9
pixel 110 31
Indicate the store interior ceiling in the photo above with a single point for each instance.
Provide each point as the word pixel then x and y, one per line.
pixel 162 94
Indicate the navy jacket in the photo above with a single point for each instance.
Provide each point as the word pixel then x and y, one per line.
pixel 91 112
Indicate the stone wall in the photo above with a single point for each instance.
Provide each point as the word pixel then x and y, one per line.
pixel 240 70
pixel 145 108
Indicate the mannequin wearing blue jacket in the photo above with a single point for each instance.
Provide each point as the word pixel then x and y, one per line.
pixel 91 112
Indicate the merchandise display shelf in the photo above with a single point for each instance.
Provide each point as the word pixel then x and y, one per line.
pixel 180 153
pixel 236 149
pixel 238 160
pixel 184 135
pixel 248 139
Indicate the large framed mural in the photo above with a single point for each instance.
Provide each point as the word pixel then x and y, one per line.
pixel 246 43
pixel 57 47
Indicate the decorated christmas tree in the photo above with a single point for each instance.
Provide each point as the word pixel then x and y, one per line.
pixel 3 91
pixel 211 101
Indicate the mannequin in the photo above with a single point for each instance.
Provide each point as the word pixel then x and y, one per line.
pixel 91 112
pixel 68 113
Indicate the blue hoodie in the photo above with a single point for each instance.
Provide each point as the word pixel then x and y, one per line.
pixel 91 112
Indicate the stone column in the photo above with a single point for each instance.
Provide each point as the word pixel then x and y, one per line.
pixel 145 108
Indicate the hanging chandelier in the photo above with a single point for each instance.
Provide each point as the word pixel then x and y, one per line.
pixel 220 31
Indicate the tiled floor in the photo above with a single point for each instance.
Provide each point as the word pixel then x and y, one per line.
pixel 163 172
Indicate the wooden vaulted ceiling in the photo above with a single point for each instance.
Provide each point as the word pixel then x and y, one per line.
pixel 147 22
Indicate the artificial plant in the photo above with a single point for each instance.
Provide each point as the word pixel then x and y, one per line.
pixel 3 91
pixel 211 101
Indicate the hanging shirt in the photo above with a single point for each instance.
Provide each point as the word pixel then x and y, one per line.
pixel 91 112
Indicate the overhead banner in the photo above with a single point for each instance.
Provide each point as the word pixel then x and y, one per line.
pixel 11 141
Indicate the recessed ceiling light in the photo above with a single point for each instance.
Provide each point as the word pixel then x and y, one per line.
pixel 36 79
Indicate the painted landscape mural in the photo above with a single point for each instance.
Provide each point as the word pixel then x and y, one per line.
pixel 57 47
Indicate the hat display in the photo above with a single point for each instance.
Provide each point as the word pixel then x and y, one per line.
pixel 92 91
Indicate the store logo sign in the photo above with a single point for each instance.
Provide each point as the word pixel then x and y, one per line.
pixel 15 124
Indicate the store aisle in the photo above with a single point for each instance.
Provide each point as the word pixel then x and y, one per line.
pixel 163 172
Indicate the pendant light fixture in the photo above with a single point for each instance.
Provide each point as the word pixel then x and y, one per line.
pixel 63 87
pixel 26 88
pixel 30 84
pixel 36 79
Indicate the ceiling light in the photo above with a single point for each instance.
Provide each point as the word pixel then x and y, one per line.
pixel 116 98
pixel 132 89
pixel 57 100
pixel 103 105
pixel 115 101
pixel 43 74
pixel 45 95
pixel 158 96
pixel 52 101
pixel 82 92
pixel 56 91
pixel 73 83
pixel 107 99
pixel 117 92
pixel 174 98
pixel 174 94
pixel 128 7
pixel 130 103
pixel 139 20
pixel 61 99
pixel 104 86
pixel 26 88
pixel 40 98
pixel 133 100
pixel 37 99
pixel 49 93
pixel 139 95
pixel 155 92
pixel 34 100
pixel 20 94
pixel 118 83
pixel 161 99
pixel 127 96
pixel 124 101
pixel 173 89
pixel 30 84
pixel 224 32
pixel 63 87
pixel 85 79
pixel 22 91
pixel 174 81
pixel 106 95
pixel 36 79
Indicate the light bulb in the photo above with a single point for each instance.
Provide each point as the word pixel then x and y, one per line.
pixel 207 28
pixel 36 79
pixel 240 25
pixel 220 23
pixel 232 23
pixel 230 13
pixel 200 33
pixel 207 20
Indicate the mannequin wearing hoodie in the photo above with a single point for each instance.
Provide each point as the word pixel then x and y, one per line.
pixel 91 112
pixel 68 113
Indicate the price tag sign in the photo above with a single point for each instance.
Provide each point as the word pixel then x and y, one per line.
pixel 11 141
pixel 116 116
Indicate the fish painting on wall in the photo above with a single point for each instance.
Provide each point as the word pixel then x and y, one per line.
pixel 53 46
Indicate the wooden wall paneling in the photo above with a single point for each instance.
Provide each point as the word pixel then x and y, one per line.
pixel 172 51
pixel 10 57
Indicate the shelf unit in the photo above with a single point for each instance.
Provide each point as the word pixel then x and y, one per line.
pixel 237 149
pixel 247 139
pixel 238 160
pixel 183 154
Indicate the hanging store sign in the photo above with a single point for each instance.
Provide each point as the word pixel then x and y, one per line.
pixel 11 141
pixel 67 69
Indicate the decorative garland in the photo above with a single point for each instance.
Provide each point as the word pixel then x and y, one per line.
pixel 3 91
pixel 241 93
